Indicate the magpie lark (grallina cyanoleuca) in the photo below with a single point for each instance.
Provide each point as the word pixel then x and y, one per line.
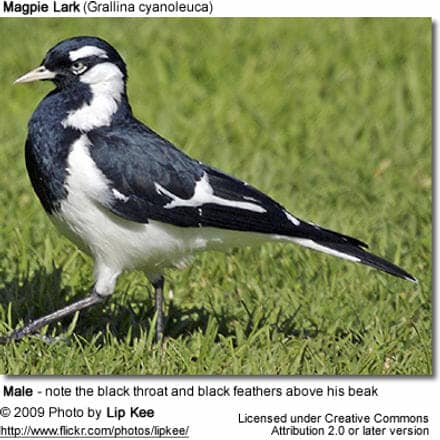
pixel 130 198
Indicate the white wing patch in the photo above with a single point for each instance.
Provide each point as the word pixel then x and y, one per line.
pixel 118 195
pixel 87 51
pixel 203 194
pixel 252 199
pixel 292 219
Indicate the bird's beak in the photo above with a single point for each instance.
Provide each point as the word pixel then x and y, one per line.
pixel 37 74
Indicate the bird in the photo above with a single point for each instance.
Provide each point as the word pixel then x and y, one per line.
pixel 131 199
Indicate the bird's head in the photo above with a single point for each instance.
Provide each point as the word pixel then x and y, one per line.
pixel 79 61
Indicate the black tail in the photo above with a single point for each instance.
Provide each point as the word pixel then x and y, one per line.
pixel 348 250
pixel 343 246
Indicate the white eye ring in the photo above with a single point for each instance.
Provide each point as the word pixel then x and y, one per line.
pixel 78 68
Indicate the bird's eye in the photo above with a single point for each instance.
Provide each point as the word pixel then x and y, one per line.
pixel 78 67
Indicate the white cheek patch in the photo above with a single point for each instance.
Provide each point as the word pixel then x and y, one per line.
pixel 203 194
pixel 107 86
pixel 105 74
pixel 87 51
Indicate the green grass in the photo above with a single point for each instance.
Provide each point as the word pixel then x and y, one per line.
pixel 330 117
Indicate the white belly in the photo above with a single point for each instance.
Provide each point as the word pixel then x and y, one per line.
pixel 123 244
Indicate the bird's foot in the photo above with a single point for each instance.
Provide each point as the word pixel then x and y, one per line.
pixel 32 327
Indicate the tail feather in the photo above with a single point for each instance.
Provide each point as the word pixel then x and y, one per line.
pixel 372 260
pixel 355 253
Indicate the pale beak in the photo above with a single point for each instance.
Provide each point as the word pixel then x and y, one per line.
pixel 35 75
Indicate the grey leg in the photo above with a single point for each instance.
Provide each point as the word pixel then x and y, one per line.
pixel 158 293
pixel 35 325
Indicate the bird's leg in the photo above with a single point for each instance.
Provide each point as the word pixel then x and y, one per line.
pixel 158 293
pixel 35 325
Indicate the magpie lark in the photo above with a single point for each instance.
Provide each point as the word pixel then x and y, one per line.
pixel 131 199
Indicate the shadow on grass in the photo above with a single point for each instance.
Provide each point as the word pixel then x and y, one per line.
pixel 42 293
pixel 31 296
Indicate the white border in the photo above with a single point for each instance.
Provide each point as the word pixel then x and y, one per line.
pixel 214 418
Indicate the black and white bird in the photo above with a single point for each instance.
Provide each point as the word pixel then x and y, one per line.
pixel 131 199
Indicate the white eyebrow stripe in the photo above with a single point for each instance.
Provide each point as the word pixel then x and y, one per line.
pixel 87 51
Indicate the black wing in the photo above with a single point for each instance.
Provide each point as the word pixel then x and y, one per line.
pixel 147 173
pixel 152 180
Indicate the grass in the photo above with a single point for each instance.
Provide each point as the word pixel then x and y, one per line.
pixel 331 117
